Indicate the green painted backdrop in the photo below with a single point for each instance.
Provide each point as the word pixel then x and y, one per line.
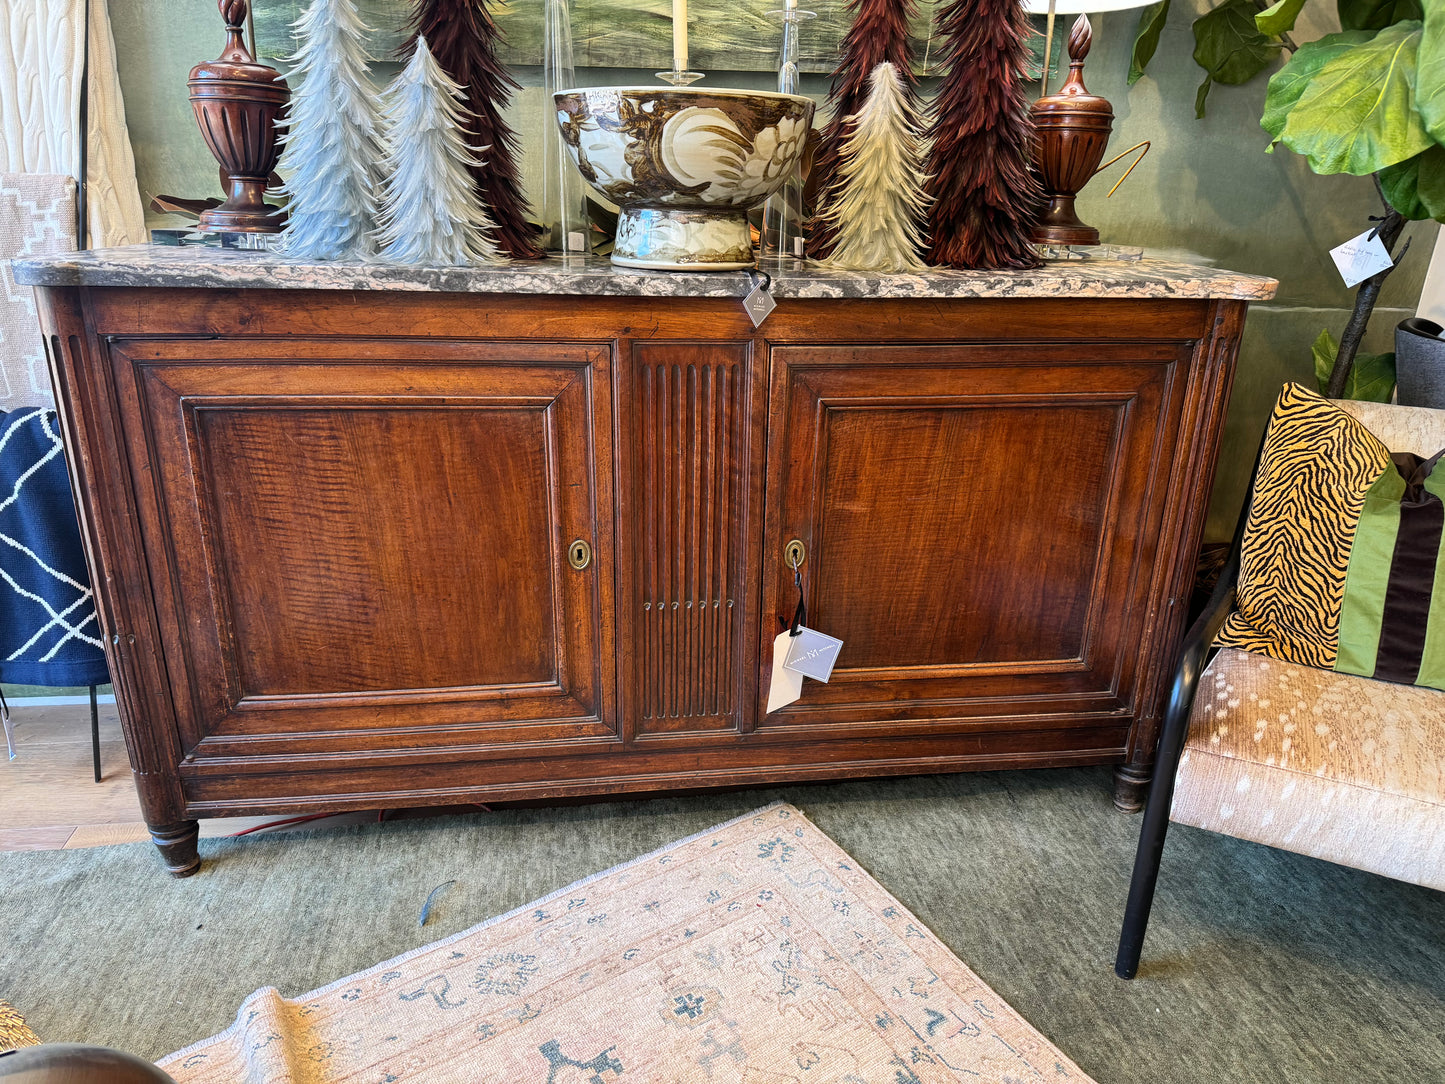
pixel 1207 187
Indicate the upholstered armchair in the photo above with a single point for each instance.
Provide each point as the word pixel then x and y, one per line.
pixel 1343 767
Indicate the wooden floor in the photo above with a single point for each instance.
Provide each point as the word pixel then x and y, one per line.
pixel 49 799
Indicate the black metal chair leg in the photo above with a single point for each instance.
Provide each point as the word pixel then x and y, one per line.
pixel 1146 874
pixel 1192 661
pixel 95 733
pixel 1194 657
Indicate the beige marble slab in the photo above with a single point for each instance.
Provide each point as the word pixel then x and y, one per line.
pixel 197 267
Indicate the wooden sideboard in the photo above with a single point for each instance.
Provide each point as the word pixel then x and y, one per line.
pixel 395 548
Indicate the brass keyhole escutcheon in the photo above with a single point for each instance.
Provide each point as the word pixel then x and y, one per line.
pixel 795 553
pixel 579 555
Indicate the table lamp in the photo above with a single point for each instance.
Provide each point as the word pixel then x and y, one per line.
pixel 1050 8
pixel 1071 127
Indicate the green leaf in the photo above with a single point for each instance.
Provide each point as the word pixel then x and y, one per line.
pixel 1146 38
pixel 1416 186
pixel 1376 14
pixel 1430 73
pixel 1400 183
pixel 1278 19
pixel 1229 47
pixel 1200 95
pixel 1357 114
pixel 1372 377
pixel 1291 81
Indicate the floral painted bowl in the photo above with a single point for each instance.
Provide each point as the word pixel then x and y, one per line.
pixel 684 165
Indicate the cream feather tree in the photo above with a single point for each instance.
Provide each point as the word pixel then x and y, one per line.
pixel 878 212
pixel 431 212
pixel 332 145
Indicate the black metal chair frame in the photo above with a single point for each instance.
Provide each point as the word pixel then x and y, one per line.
pixel 94 730
pixel 1194 656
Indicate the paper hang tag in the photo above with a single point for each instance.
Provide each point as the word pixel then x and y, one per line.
pixel 759 302
pixel 813 653
pixel 1361 257
pixel 787 685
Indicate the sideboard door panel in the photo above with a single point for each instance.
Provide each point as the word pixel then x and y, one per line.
pixel 367 543
pixel 324 553
pixel 980 524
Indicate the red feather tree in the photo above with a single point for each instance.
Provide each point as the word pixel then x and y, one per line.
pixel 879 33
pixel 985 196
pixel 463 39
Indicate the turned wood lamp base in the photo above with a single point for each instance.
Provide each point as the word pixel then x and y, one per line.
pixel 1071 130
pixel 1060 224
pixel 237 102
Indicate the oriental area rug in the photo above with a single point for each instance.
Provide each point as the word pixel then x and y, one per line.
pixel 756 952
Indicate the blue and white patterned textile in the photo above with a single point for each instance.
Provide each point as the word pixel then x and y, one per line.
pixel 49 632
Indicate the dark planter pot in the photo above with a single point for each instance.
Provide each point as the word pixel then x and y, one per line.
pixel 73 1063
pixel 1420 363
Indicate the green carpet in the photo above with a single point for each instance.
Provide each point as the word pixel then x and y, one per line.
pixel 1260 966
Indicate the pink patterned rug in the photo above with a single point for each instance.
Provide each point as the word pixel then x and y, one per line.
pixel 754 953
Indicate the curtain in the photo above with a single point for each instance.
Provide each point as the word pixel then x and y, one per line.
pixel 41 56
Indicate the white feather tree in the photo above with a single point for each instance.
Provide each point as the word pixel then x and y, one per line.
pixel 879 210
pixel 430 209
pixel 332 146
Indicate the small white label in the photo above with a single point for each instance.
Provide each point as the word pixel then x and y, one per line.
pixel 813 653
pixel 787 685
pixel 1361 257
pixel 798 247
pixel 576 241
pixel 759 304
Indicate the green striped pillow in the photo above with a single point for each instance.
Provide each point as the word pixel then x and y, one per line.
pixel 1342 561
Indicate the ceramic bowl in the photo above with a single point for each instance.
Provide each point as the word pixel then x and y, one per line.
pixel 684 165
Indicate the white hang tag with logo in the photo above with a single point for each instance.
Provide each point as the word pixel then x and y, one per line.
pixel 1361 257
pixel 787 685
pixel 813 653
pixel 759 302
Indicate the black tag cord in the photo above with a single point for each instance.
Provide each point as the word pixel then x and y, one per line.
pixel 801 613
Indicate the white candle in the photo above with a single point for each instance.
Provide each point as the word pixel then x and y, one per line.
pixel 679 35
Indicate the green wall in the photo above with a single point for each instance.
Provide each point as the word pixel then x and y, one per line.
pixel 1206 187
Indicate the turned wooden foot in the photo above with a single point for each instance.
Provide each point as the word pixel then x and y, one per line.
pixel 1131 785
pixel 177 844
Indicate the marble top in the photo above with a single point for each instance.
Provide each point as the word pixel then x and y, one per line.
pixel 198 266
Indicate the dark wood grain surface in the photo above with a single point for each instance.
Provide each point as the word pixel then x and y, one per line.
pixel 330 533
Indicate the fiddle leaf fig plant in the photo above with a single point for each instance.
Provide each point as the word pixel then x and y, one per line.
pixel 1230 48
pixel 1347 102
pixel 1366 101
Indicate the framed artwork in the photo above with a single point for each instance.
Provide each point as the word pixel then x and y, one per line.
pixel 725 35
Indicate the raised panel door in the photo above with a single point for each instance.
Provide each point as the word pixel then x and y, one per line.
pixel 366 543
pixel 980 523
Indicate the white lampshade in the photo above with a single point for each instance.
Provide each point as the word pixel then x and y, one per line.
pixel 1080 7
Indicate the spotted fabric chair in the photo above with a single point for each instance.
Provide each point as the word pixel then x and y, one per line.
pixel 1334 765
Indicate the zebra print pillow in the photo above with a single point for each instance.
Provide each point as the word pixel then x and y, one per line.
pixel 1342 550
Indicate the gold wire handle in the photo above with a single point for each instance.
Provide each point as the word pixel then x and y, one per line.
pixel 1111 161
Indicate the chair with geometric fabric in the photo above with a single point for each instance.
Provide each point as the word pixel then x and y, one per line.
pixel 49 631
pixel 1307 710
